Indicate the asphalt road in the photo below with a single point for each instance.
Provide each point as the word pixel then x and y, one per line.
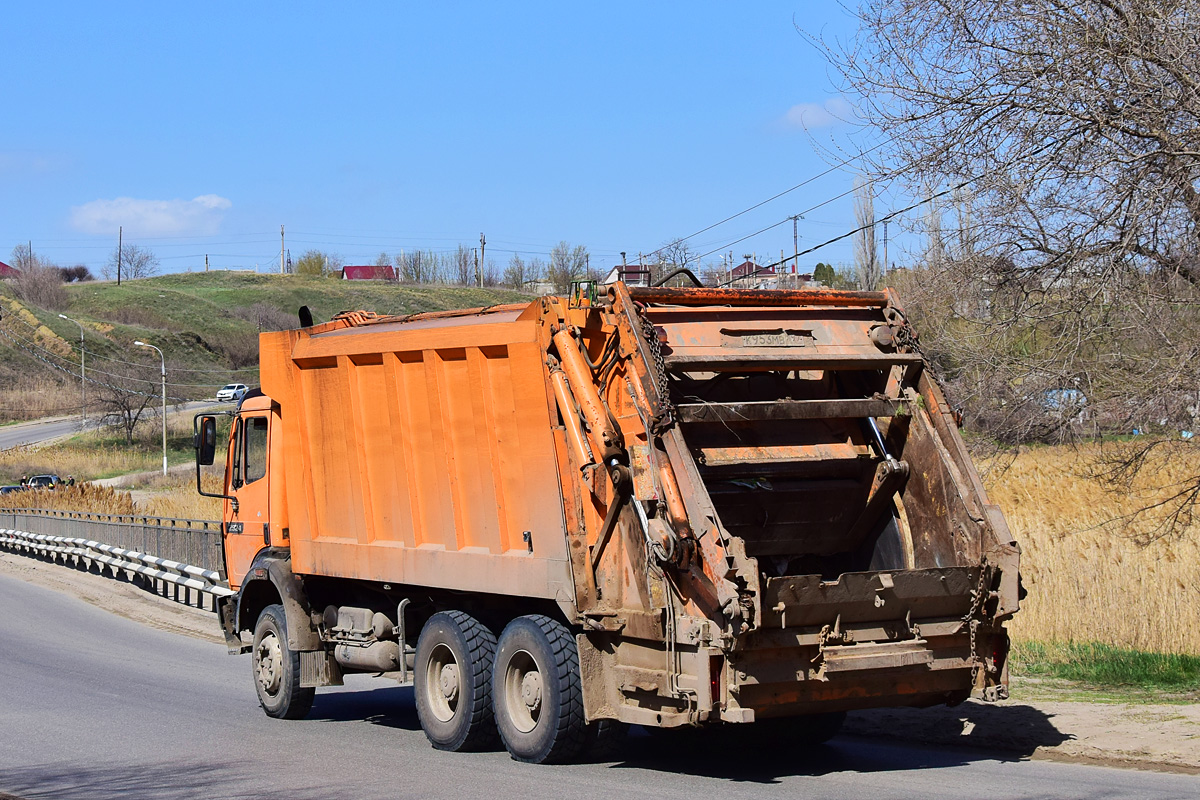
pixel 96 706
pixel 44 430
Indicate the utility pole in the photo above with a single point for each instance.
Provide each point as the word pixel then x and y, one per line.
pixel 281 250
pixel 885 257
pixel 482 257
pixel 206 264
pixel 163 360
pixel 120 247
pixel 795 245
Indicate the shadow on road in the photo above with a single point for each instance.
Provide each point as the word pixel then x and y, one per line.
pixel 392 707
pixel 165 781
pixel 928 739
pixel 1014 729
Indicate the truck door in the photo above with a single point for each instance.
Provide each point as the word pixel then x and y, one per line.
pixel 247 530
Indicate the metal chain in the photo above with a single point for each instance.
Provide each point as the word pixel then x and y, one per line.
pixel 664 415
pixel 977 605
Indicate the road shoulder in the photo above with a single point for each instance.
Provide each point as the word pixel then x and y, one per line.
pixel 118 597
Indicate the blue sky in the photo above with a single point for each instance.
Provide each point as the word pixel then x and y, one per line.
pixel 366 127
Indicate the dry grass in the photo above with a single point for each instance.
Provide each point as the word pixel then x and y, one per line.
pixel 86 461
pixel 1092 582
pixel 173 496
pixel 83 497
pixel 37 397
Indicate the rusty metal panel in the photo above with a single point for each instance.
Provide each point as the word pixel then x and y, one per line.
pixel 803 600
pixel 757 297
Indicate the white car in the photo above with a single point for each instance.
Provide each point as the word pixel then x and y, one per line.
pixel 232 392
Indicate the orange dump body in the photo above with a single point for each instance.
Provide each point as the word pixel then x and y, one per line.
pixel 421 453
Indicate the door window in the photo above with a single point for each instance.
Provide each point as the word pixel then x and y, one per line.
pixel 256 448
pixel 235 477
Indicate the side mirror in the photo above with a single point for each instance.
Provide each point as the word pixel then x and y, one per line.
pixel 205 440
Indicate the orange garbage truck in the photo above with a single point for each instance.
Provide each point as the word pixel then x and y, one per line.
pixel 656 506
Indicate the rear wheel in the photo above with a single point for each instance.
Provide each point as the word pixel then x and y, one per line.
pixel 452 682
pixel 537 691
pixel 277 669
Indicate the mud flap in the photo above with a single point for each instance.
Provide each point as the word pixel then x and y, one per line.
pixel 318 668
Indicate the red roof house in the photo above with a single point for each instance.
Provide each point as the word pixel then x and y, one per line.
pixel 8 272
pixel 748 269
pixel 369 273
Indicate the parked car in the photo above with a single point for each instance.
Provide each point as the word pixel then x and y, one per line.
pixel 232 392
pixel 43 482
pixel 11 489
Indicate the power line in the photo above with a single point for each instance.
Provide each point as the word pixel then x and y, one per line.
pixel 777 224
pixel 762 203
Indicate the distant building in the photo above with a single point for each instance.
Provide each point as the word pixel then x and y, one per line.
pixel 631 274
pixel 369 272
pixel 8 272
pixel 748 269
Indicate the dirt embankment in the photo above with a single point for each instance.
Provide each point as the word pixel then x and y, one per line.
pixel 1142 735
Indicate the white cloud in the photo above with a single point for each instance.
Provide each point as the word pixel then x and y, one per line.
pixel 808 116
pixel 200 216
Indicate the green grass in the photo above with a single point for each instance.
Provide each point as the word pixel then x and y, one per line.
pixel 1104 666
pixel 194 318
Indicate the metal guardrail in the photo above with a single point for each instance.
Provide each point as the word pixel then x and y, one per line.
pixel 118 558
pixel 178 556
pixel 189 541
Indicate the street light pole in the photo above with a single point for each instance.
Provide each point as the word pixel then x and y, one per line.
pixel 163 359
pixel 82 391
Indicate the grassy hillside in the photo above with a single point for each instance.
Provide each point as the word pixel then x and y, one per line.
pixel 207 324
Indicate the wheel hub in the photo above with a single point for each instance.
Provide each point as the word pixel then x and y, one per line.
pixel 531 691
pixel 269 671
pixel 448 682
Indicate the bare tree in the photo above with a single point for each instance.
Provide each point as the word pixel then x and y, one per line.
pixel 514 273
pixel 672 255
pixel 41 285
pixel 124 398
pixel 39 281
pixel 566 264
pixel 383 260
pixel 866 255
pixel 1075 127
pixel 135 262
pixel 418 266
pixel 23 257
pixel 462 266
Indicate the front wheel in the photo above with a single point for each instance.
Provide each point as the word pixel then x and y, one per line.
pixel 537 691
pixel 277 669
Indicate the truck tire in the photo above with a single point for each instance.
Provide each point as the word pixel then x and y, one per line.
pixel 452 682
pixel 276 669
pixel 537 691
